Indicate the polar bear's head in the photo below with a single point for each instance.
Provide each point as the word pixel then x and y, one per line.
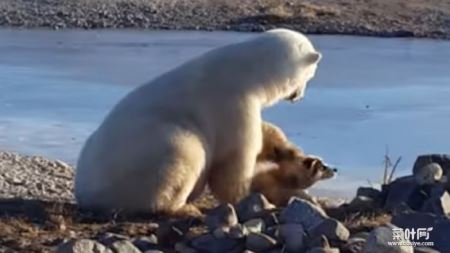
pixel 296 63
pixel 285 61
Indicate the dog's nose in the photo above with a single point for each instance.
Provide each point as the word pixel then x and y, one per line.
pixel 335 170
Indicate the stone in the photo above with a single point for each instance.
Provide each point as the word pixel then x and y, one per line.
pixel 209 243
pixel 292 236
pixel 255 225
pixel 259 242
pixel 238 231
pixel 221 216
pixel 424 250
pixel 109 238
pixel 354 245
pixel 83 246
pixel 368 192
pixel 221 232
pixel 440 226
pixel 404 190
pixel 431 173
pixel 318 242
pixel 124 246
pixel 323 250
pixel 169 234
pixel 442 159
pixel 144 243
pixel 181 247
pixel 332 229
pixel 362 235
pixel 253 206
pixel 302 212
pixel 379 239
pixel 438 202
pixel 159 251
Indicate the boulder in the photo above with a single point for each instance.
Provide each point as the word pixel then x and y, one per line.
pixel 440 226
pixel 83 246
pixel 323 250
pixel 238 231
pixel 431 173
pixel 124 246
pixel 368 192
pixel 255 225
pixel 260 242
pixel 404 190
pixel 253 206
pixel 331 229
pixel 292 236
pixel 211 244
pixel 221 216
pixel 424 250
pixel 438 201
pixel 144 243
pixel 302 212
pixel 442 159
pixel 354 245
pixel 379 240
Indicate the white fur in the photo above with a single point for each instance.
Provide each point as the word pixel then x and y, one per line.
pixel 195 125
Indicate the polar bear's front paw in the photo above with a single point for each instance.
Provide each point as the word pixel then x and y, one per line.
pixel 187 211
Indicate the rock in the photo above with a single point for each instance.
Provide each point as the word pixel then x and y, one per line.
pixel 318 242
pixel 260 242
pixel 442 159
pixel 379 239
pixel 302 212
pixel 169 234
pixel 238 231
pixel 438 201
pixel 83 246
pixel 255 225
pixel 181 247
pixel 354 245
pixel 362 235
pixel 253 206
pixel 124 246
pixel 221 232
pixel 431 173
pixel 292 235
pixel 209 243
pixel 221 216
pixel 424 250
pixel 159 251
pixel 109 238
pixel 404 190
pixel 323 250
pixel 440 227
pixel 368 192
pixel 144 243
pixel 332 229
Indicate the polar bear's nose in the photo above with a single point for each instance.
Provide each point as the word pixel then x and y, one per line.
pixel 295 96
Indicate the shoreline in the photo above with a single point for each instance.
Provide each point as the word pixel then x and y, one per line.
pixel 349 17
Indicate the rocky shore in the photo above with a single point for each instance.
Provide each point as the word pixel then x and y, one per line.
pixel 385 18
pixel 38 214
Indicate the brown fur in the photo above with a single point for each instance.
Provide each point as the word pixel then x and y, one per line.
pixel 276 146
pixel 290 177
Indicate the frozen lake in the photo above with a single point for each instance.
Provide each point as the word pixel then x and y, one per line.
pixel 369 94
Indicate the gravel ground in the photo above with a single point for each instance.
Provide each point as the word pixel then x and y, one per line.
pixel 34 177
pixel 386 18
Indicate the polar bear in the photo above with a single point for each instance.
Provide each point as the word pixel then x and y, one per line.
pixel 196 125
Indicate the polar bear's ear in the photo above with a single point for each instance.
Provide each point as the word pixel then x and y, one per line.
pixel 312 58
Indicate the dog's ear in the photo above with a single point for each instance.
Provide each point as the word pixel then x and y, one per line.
pixel 309 162
pixel 283 153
